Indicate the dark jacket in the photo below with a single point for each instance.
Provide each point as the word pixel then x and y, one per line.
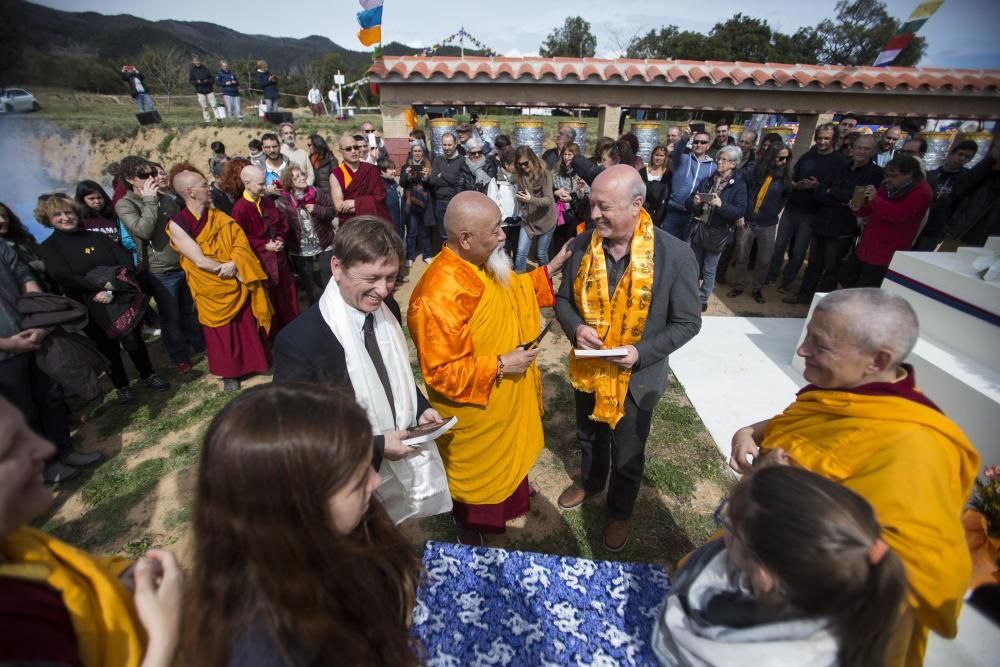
pixel 322 173
pixel 835 219
pixel 674 315
pixel 307 351
pixel 778 193
pixel 657 194
pixel 228 82
pixel 977 211
pixel 146 220
pixel 819 167
pixel 201 79
pixel 720 221
pixel 393 201
pixel 586 168
pixel 269 87
pixel 322 217
pixel 449 176
pixel 131 78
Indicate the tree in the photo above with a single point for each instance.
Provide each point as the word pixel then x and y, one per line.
pixel 743 38
pixel 860 30
pixel 164 68
pixel 671 42
pixel 574 40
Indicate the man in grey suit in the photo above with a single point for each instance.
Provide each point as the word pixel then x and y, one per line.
pixel 593 315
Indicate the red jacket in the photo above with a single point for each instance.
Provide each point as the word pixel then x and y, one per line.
pixel 892 223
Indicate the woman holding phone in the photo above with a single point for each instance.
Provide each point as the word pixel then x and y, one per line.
pixel 538 207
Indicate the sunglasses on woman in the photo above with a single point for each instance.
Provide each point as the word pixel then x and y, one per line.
pixel 523 165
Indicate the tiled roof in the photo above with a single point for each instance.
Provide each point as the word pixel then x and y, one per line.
pixel 712 73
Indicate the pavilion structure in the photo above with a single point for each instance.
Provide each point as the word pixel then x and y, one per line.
pixel 806 91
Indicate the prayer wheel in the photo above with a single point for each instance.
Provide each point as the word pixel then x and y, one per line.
pixel 937 147
pixel 648 135
pixel 983 141
pixel 488 130
pixel 439 127
pixel 530 133
pixel 785 132
pixel 581 133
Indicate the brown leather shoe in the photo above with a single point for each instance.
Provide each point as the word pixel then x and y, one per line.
pixel 574 496
pixel 615 535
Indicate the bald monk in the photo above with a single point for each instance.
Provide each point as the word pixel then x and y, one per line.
pixel 863 422
pixel 266 229
pixel 468 316
pixel 355 186
pixel 227 281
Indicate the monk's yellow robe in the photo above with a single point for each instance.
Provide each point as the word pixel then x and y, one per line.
pixel 108 631
pixel 220 300
pixel 915 467
pixel 460 320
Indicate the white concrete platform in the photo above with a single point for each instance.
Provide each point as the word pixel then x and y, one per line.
pixel 737 371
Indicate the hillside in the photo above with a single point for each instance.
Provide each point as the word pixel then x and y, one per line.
pixel 84 50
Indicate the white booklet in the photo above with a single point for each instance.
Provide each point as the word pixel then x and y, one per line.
pixel 607 352
pixel 427 432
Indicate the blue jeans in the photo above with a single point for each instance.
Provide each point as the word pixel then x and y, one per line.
pixel 541 251
pixel 708 262
pixel 794 223
pixel 144 102
pixel 678 224
pixel 415 226
pixel 439 209
pixel 233 110
pixel 182 333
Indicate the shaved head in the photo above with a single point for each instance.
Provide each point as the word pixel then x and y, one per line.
pixel 250 172
pixel 472 221
pixel 186 180
pixel 616 199
pixel 874 319
pixel 622 177
pixel 469 210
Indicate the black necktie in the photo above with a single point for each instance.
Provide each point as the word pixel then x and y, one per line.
pixel 376 355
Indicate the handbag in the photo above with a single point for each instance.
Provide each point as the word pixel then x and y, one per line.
pixel 709 237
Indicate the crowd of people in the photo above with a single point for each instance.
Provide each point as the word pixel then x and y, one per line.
pixel 820 561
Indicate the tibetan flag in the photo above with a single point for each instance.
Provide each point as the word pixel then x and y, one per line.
pixel 906 32
pixel 370 36
pixel 368 4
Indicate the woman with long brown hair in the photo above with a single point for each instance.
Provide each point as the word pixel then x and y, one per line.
pixel 294 562
pixel 537 204
pixel 802 576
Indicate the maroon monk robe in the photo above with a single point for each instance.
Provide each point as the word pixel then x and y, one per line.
pixel 366 188
pixel 240 347
pixel 262 227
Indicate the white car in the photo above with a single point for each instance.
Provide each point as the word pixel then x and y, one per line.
pixel 16 99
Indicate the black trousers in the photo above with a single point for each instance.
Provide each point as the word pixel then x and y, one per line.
pixel 310 277
pixel 825 255
pixel 39 399
pixel 112 349
pixel 622 450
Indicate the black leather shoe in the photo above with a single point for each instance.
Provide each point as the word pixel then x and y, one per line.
pixel 758 297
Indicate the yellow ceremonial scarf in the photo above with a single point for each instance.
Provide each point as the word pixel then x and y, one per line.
pixel 619 319
pixel 104 620
pixel 253 200
pixel 761 194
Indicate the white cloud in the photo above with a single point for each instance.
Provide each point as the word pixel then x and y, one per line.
pixel 415 43
pixel 518 53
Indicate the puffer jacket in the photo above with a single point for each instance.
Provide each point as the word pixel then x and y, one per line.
pixel 146 220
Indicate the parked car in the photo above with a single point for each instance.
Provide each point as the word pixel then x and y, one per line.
pixel 16 99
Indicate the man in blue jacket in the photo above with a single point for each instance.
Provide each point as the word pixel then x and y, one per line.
pixel 688 169
pixel 230 86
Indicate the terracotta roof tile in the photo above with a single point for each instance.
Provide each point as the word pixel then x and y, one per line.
pixel 670 71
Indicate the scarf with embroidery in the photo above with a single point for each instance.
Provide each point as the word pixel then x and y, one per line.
pixel 619 318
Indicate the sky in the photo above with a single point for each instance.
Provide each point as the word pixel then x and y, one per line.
pixel 963 33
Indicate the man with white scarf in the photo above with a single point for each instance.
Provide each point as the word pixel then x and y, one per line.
pixel 352 339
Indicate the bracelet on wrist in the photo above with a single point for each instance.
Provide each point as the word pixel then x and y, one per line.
pixel 499 370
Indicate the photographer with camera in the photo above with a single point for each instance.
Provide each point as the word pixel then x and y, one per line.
pixel 418 214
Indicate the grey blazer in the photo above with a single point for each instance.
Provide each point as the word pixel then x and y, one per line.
pixel 674 312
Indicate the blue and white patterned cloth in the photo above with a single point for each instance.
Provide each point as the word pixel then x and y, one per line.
pixel 482 606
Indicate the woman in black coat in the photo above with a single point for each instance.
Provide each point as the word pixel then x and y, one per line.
pixel 98 272
pixel 719 203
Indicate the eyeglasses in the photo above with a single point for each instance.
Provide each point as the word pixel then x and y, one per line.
pixel 53 195
pixel 369 131
pixel 345 149
pixel 475 153
pixel 699 141
pixel 523 165
pixel 781 158
pixel 721 516
pixel 143 175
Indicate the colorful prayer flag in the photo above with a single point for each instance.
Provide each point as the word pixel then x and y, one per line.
pixel 370 17
pixel 368 4
pixel 370 36
pixel 906 32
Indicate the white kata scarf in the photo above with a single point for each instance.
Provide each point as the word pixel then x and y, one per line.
pixel 412 487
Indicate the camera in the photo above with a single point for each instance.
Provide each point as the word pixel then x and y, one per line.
pixel 474 117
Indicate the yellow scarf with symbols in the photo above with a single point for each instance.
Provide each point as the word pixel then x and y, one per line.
pixel 618 318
